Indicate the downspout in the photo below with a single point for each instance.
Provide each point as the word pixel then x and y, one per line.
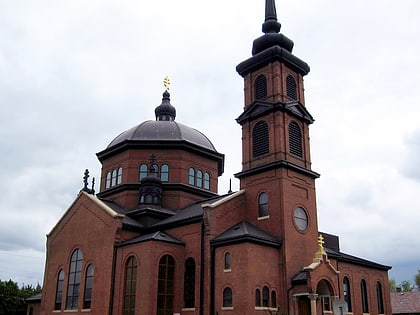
pixel 111 295
pixel 212 281
pixel 202 271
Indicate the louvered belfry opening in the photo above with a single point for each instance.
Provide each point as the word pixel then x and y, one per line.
pixel 291 87
pixel 295 139
pixel 260 139
pixel 260 87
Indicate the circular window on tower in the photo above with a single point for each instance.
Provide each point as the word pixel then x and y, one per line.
pixel 300 218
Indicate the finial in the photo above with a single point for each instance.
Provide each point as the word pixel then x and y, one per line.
pixel 85 178
pixel 270 24
pixel 166 83
pixel 230 186
pixel 152 165
pixel 85 183
pixel 321 244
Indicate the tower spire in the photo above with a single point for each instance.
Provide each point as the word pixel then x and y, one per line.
pixel 270 25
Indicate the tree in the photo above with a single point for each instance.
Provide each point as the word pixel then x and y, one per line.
pixel 392 285
pixel 12 298
pixel 417 279
pixel 406 286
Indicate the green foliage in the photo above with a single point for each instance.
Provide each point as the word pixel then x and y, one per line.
pixel 12 298
pixel 406 286
pixel 392 285
pixel 417 279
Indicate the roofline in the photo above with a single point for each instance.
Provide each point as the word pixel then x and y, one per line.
pixel 223 200
pixel 94 199
pixel 275 165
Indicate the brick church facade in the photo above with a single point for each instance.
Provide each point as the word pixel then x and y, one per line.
pixel 159 239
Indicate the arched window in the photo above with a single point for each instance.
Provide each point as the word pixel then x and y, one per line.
pixel 199 180
pixel 363 289
pixel 347 293
pixel 164 173
pixel 191 176
pixel 227 297
pixel 263 205
pixel 119 176
pixel 87 296
pixel 130 286
pixel 291 87
pixel 380 298
pixel 142 171
pixel 273 299
pixel 228 261
pixel 206 181
pixel 260 87
pixel 295 139
pixel 165 299
pixel 260 140
pixel 189 283
pixel 73 285
pixel 59 290
pixel 114 178
pixel 265 296
pixel 108 180
pixel 257 298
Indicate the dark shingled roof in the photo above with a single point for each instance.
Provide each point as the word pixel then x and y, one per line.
pixel 156 236
pixel 405 302
pixel 246 232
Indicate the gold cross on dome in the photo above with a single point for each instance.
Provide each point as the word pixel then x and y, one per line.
pixel 166 83
pixel 321 244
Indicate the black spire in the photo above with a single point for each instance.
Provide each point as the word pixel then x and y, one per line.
pixel 270 24
pixel 165 111
pixel 271 29
pixel 85 183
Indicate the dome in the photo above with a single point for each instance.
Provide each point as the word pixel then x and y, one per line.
pixel 156 131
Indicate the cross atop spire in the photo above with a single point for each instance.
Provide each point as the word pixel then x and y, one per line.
pixel 270 24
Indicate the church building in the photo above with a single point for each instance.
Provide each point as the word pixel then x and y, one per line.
pixel 159 239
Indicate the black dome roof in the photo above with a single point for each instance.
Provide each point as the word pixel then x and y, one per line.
pixel 161 130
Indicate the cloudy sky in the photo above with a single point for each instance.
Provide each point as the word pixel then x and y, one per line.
pixel 74 74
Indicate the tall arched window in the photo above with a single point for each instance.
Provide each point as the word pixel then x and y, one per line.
pixel 189 283
pixel 142 171
pixel 199 180
pixel 119 176
pixel 73 285
pixel 273 299
pixel 164 173
pixel 130 286
pixel 59 290
pixel 263 205
pixel 165 300
pixel 380 298
pixel 347 293
pixel 114 178
pixel 191 176
pixel 260 139
pixel 206 181
pixel 228 261
pixel 291 87
pixel 227 297
pixel 257 298
pixel 265 296
pixel 87 296
pixel 295 139
pixel 108 180
pixel 363 289
pixel 260 87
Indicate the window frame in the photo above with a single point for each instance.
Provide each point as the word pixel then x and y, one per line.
pixel 130 286
pixel 143 171
pixel 227 297
pixel 347 293
pixel 199 179
pixel 295 139
pixel 189 283
pixel 191 176
pixel 206 181
pixel 164 172
pixel 263 208
pixel 59 290
pixel 227 261
pixel 74 280
pixel 260 139
pixel 87 292
pixel 364 296
pixel 166 288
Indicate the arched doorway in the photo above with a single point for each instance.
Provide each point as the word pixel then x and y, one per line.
pixel 325 293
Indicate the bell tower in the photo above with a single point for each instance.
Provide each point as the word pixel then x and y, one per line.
pixel 276 164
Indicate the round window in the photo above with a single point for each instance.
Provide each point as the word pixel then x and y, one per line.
pixel 301 219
